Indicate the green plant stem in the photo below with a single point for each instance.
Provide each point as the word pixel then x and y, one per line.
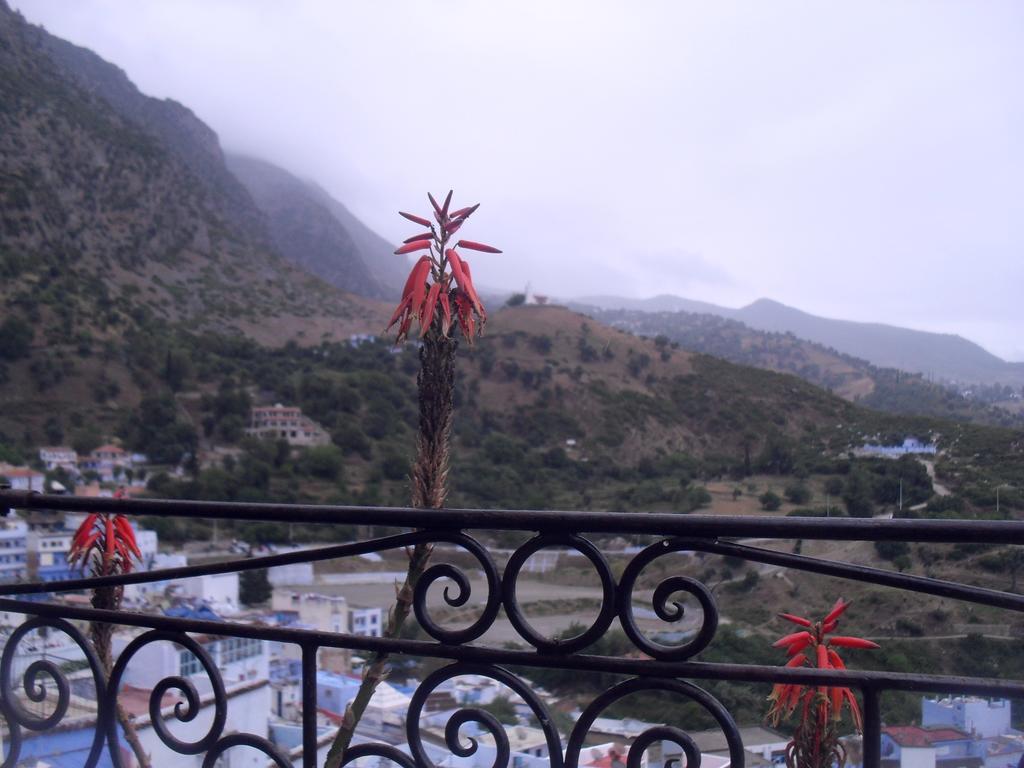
pixel 435 383
pixel 109 598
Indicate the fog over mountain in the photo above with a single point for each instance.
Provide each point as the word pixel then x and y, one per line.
pixel 861 162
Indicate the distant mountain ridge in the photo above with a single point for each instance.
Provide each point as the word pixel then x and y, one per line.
pixel 315 231
pixel 947 357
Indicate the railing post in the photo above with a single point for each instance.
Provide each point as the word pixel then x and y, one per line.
pixel 309 652
pixel 872 728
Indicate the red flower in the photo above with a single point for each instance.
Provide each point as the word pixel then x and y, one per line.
pixel 106 542
pixel 817 704
pixel 440 280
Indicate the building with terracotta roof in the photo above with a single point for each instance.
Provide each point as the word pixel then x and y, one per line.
pixel 23 478
pixel 912 746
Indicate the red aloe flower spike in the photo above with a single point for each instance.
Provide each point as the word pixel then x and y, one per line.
pixel 796 619
pixel 835 660
pixel 452 227
pixel 858 722
pixel 83 531
pixel 421 236
pixel 447 202
pixel 822 652
pixel 83 553
pixel 471 290
pixel 429 307
pixel 456 264
pixel 464 312
pixel 829 627
pixel 109 555
pixel 464 213
pixel 836 612
pixel 446 311
pixel 415 245
pixel 836 702
pixel 416 219
pixel 852 642
pixel 411 280
pixel 474 246
pixel 403 329
pixel 437 208
pixel 402 308
pixel 419 293
pixel 795 637
pixel 797 646
pixel 128 534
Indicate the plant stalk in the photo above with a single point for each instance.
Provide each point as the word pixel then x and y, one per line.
pixel 109 598
pixel 435 384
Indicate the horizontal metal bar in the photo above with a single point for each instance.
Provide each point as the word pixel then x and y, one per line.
pixel 880 681
pixel 657 524
pixel 228 566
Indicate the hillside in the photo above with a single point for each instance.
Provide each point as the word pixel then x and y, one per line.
pixel 315 231
pixel 857 380
pixel 117 223
pixel 937 355
pixel 144 300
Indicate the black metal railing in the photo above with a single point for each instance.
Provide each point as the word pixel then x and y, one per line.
pixel 656 666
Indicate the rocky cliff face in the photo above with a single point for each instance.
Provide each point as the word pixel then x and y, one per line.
pixel 108 197
pixel 176 127
pixel 311 229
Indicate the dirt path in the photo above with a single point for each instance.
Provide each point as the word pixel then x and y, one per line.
pixel 940 490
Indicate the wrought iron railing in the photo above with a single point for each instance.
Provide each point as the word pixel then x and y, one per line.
pixel 656 667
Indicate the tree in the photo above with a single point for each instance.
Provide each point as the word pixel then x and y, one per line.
pixel 516 300
pixel 857 495
pixel 798 493
pixel 15 338
pixel 323 461
pixel 503 709
pixel 254 587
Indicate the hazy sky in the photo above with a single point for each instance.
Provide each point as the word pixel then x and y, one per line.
pixel 864 163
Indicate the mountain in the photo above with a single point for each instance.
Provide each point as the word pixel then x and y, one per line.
pixel 941 355
pixel 117 205
pixel 887 389
pixel 120 225
pixel 947 357
pixel 315 231
pixel 661 303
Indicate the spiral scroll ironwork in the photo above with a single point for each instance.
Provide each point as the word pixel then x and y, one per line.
pixel 245 740
pixel 657 733
pixel 476 715
pixel 665 610
pixel 448 571
pixel 518 619
pixel 35 689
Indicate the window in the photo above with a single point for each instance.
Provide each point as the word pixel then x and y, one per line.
pixel 190 664
pixel 234 649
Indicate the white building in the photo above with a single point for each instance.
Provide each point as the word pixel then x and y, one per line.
pixel 23 478
pixel 59 457
pixel 288 423
pixel 13 550
pixel 217 590
pixel 48 554
pixel 328 613
pixel 984 718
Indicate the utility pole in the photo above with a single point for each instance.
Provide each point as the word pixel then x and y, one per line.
pixel 901 495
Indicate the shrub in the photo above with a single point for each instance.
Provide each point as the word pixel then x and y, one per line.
pixel 770 501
